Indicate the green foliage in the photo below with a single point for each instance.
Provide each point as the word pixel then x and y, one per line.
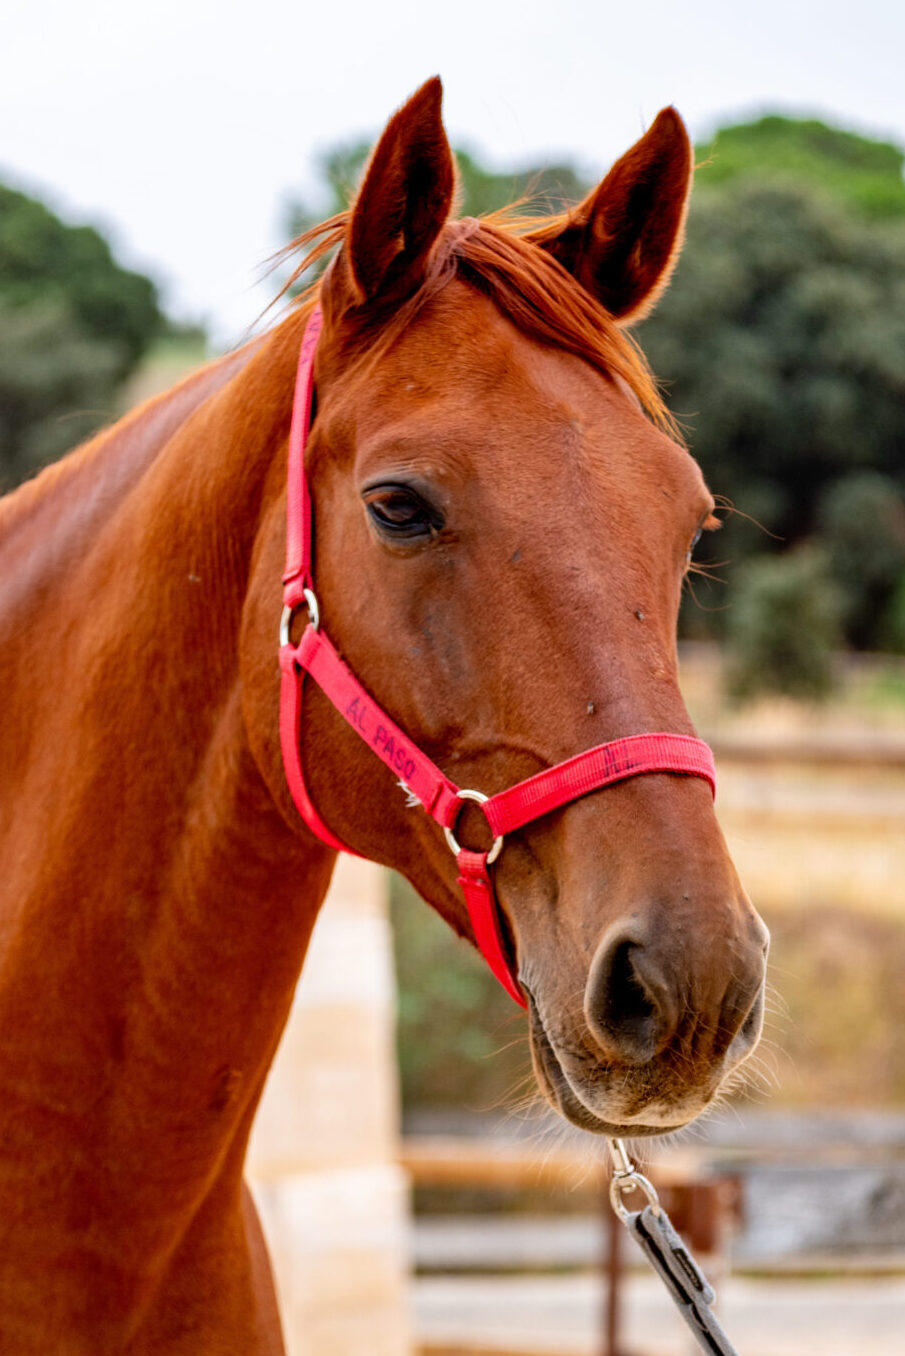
pixel 860 172
pixel 783 335
pixel 784 626
pixel 460 1038
pixel 73 325
pixel 41 259
pixel 891 626
pixel 861 520
pixel 783 341
pixel 783 338
pixel 55 384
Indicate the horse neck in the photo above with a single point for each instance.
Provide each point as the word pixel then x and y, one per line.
pixel 153 885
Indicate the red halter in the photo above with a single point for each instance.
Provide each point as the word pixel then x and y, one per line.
pixel 421 779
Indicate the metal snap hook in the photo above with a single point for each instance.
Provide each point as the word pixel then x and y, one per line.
pixel 625 1179
pixel 481 799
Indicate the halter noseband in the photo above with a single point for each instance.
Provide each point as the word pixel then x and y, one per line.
pixel 420 778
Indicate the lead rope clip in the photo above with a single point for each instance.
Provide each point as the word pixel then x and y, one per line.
pixel 652 1229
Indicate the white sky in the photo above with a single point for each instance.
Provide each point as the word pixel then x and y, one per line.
pixel 182 127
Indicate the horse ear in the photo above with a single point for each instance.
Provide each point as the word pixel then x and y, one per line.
pixel 404 201
pixel 622 242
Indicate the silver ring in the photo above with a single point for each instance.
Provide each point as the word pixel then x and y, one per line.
pixel 314 616
pixel 481 799
pixel 314 612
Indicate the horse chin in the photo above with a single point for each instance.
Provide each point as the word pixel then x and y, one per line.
pixel 564 1099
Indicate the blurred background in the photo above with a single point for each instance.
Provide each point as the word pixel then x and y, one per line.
pixel 151 162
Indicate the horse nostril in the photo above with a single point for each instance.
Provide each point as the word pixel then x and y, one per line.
pixel 626 1002
pixel 627 999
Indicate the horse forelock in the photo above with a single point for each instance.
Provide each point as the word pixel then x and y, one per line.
pixel 542 299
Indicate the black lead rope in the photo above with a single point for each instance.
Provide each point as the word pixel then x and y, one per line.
pixel 685 1282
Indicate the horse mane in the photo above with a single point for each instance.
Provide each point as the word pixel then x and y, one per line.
pixel 500 256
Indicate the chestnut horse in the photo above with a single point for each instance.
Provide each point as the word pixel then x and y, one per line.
pixel 503 523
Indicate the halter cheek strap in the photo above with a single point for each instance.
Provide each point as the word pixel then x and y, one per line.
pixel 416 774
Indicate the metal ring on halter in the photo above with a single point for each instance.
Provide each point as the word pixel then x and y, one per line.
pixel 481 799
pixel 314 615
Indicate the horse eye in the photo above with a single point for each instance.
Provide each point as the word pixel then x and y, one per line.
pixel 689 554
pixel 400 513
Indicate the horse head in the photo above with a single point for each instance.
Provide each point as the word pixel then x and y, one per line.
pixel 503 521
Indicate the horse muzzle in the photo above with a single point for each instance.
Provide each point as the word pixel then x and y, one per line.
pixel 660 1030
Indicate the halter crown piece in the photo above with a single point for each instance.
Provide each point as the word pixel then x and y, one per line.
pixel 422 779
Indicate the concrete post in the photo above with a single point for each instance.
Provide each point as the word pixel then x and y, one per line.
pixel 323 1160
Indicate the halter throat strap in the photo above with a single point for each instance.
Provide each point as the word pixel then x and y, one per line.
pixel 419 778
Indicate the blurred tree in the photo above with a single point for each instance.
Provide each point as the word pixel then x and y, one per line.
pixel 891 627
pixel 783 339
pixel 73 325
pixel 784 626
pixel 55 385
pixel 861 520
pixel 862 173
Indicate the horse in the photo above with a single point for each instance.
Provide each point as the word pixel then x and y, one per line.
pixel 503 517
